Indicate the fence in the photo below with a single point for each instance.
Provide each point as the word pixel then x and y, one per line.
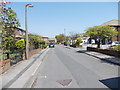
pixel 14 58
pixel 4 65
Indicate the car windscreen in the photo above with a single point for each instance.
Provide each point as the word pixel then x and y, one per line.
pixel 51 43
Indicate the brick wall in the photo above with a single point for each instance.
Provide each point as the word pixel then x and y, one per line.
pixel 4 65
pixel 32 52
pixel 105 51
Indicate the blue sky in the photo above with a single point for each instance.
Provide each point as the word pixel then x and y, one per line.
pixel 50 18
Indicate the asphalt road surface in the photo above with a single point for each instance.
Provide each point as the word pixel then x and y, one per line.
pixel 64 67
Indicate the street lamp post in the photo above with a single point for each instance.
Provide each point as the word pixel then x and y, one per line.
pixel 26 27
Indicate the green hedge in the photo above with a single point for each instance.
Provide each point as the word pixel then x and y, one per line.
pixel 117 48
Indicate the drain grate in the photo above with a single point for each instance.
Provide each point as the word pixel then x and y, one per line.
pixel 65 82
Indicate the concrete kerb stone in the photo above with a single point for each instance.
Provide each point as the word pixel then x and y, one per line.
pixel 104 59
pixel 116 62
pixel 24 69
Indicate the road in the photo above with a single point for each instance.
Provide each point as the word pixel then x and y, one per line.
pixel 64 67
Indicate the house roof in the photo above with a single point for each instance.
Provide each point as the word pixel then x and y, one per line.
pixel 112 23
pixel 52 38
pixel 45 37
pixel 20 29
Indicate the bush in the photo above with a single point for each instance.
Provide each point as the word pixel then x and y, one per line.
pixel 20 44
pixel 117 48
pixel 44 46
pixel 77 43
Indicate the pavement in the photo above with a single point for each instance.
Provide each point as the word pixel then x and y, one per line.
pixel 17 73
pixel 104 57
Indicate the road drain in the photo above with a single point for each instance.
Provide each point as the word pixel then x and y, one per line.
pixel 65 82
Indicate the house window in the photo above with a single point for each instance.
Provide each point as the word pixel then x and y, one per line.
pixel 20 33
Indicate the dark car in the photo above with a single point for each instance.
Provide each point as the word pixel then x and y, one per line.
pixel 51 45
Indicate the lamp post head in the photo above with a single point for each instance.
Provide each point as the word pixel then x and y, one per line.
pixel 29 5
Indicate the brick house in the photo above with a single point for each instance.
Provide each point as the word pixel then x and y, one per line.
pixel 116 24
pixel 45 39
pixel 19 33
pixel 53 40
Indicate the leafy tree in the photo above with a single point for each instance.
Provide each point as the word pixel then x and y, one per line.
pixel 9 23
pixel 60 38
pixel 74 35
pixel 101 32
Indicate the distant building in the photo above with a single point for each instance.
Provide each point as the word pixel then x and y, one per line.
pixel 116 24
pixel 85 40
pixel 52 40
pixel 45 39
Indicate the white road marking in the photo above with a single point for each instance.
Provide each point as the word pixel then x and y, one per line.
pixel 36 69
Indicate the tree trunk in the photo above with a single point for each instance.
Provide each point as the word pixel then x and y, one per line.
pixel 98 44
pixel 22 55
pixel 8 55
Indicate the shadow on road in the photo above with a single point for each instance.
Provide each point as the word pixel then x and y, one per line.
pixel 112 83
pixel 82 51
pixel 103 60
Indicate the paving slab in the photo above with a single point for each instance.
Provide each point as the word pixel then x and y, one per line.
pixel 17 70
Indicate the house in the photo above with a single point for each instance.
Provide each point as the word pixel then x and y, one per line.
pixel 19 33
pixel 85 40
pixel 116 24
pixel 53 40
pixel 45 39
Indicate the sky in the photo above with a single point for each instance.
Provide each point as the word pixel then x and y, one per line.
pixel 51 18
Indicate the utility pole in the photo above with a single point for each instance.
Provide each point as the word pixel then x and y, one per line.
pixel 65 33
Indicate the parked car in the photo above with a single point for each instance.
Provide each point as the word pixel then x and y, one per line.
pixel 51 45
pixel 115 43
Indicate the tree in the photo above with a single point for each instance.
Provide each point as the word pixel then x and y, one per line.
pixel 74 35
pixel 9 24
pixel 100 33
pixel 60 38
